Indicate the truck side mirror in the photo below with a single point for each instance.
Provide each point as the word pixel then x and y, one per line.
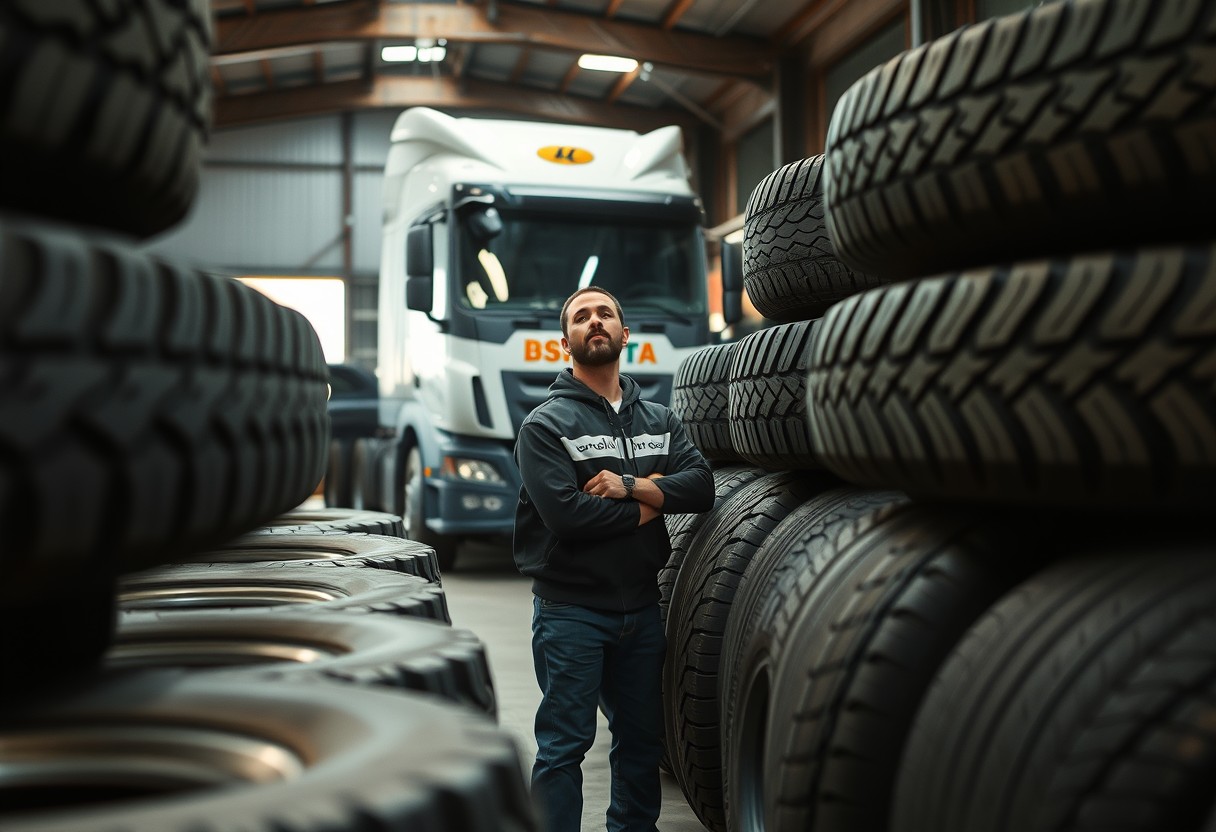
pixel 732 282
pixel 419 269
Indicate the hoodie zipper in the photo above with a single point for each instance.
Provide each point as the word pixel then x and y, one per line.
pixel 627 456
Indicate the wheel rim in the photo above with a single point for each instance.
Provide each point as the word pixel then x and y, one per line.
pixel 187 652
pixel 52 768
pixel 220 597
pixel 254 554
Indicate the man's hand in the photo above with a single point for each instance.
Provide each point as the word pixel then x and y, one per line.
pixel 606 484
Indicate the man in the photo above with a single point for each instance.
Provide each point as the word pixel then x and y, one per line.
pixel 600 467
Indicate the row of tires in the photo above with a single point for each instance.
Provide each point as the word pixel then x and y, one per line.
pixel 957 577
pixel 180 654
pixel 288 679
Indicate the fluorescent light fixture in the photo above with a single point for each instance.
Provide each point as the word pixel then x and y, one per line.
pixel 425 53
pixel 584 279
pixel 607 63
pixel 399 54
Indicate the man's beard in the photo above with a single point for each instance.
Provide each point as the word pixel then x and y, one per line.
pixel 593 353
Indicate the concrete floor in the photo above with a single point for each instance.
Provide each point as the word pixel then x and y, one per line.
pixel 486 595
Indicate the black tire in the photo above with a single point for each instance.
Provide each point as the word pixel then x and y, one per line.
pixel 1077 382
pixel 879 615
pixel 790 269
pixel 768 398
pixel 378 650
pixel 107 108
pixel 700 397
pixel 775 586
pixel 319 520
pixel 192 587
pixel 1081 702
pixel 700 604
pixel 412 513
pixel 339 488
pixel 156 751
pixel 1069 127
pixel 328 549
pixel 148 410
pixel 682 528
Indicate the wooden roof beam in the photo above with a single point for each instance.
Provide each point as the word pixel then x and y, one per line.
pixel 623 83
pixel 738 56
pixel 399 92
pixel 674 12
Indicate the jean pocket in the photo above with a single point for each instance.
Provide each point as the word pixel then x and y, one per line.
pixel 546 604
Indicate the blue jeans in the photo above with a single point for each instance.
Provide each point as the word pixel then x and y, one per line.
pixel 584 657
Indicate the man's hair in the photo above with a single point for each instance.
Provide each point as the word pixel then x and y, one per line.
pixel 566 306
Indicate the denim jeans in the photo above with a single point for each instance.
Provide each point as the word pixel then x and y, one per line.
pixel 586 657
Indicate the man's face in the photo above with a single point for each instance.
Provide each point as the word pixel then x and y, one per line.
pixel 595 334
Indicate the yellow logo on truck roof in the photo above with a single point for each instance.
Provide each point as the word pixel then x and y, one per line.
pixel 565 155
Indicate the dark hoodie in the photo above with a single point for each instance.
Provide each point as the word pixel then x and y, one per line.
pixel 582 549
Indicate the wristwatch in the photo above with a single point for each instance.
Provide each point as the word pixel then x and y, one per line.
pixel 627 481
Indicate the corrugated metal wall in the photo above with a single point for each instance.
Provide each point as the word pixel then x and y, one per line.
pixel 272 203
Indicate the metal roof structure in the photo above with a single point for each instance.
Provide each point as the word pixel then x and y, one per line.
pixel 278 59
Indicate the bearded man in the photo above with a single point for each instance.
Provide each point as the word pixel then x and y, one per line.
pixel 600 467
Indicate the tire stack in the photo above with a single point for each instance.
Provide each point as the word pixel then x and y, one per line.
pixel 158 427
pixel 1003 620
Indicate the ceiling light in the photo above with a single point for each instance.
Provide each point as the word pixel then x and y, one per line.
pixel 607 63
pixel 432 53
pixel 399 54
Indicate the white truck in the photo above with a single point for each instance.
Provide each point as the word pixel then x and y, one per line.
pixel 488 226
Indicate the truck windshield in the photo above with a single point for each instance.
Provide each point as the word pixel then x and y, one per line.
pixel 537 261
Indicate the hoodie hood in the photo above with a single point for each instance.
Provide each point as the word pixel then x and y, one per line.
pixel 566 386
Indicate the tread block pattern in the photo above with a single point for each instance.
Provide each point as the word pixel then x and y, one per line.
pixel 700 399
pixel 1085 381
pixel 1081 701
pixel 1072 126
pixel 328 549
pixel 107 108
pixel 768 420
pixel 790 268
pixel 149 410
pixel 315 521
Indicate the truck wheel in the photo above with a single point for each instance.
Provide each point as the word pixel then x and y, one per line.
pixel 700 606
pixel 700 398
pixel 191 587
pixel 338 484
pixel 790 267
pixel 415 523
pixel 328 549
pixel 148 410
pixel 370 650
pixel 1069 127
pixel 1084 381
pixel 768 397
pixel 1082 702
pixel 107 107
pixel 319 520
pixel 158 750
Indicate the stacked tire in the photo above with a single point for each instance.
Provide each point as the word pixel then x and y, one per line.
pixel 994 622
pixel 181 648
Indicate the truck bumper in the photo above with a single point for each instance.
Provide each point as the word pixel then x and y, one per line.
pixel 461 507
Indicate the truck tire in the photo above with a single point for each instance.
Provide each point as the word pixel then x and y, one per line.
pixel 779 576
pixel 1083 382
pixel 879 617
pixel 790 268
pixel 369 650
pixel 1069 127
pixel 682 528
pixel 768 392
pixel 107 108
pixel 156 751
pixel 700 604
pixel 191 587
pixel 148 410
pixel 320 520
pixel 414 519
pixel 328 549
pixel 700 398
pixel 1081 702
pixel 339 486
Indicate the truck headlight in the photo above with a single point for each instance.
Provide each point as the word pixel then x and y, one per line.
pixel 473 470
